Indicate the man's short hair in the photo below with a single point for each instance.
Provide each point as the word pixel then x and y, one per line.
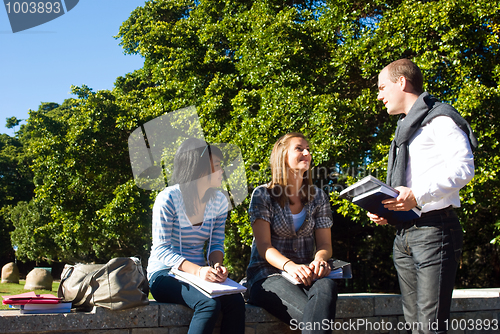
pixel 406 68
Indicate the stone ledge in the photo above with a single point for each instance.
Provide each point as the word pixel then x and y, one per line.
pixel 177 315
pixel 157 317
pixel 99 318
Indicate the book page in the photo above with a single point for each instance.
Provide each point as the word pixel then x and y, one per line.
pixel 226 287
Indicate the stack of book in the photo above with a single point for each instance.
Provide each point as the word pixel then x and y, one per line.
pixel 31 303
pixel 369 192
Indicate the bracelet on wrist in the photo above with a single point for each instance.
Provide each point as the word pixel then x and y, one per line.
pixel 199 270
pixel 284 264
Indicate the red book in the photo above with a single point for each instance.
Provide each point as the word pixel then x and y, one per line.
pixel 30 298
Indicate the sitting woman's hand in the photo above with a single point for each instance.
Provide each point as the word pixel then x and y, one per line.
pixel 300 272
pixel 320 268
pixel 218 274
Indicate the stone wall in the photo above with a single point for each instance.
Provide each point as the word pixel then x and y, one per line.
pixel 472 311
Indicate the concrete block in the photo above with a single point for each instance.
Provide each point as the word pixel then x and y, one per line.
pixel 149 331
pixel 273 328
pixel 99 319
pixel 349 306
pixel 179 315
pixel 10 273
pixel 356 313
pixel 386 304
pixel 172 315
pixel 178 330
pixel 13 322
pixel 250 329
pixel 137 317
pixel 257 314
pixel 475 304
pixel 39 279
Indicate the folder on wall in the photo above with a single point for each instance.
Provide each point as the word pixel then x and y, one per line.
pixel 339 270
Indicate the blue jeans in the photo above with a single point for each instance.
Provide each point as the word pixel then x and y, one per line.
pixel 293 304
pixel 426 256
pixel 166 289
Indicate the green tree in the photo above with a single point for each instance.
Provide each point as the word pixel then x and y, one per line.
pixel 12 122
pixel 456 45
pixel 258 69
pixel 33 233
pixel 87 207
pixel 16 184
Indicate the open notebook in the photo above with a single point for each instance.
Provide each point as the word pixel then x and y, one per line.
pixel 210 289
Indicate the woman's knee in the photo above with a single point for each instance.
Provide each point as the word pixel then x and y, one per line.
pixel 237 301
pixel 207 304
pixel 233 304
pixel 325 286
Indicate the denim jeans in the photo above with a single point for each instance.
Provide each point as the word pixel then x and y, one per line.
pixel 166 289
pixel 426 256
pixel 312 306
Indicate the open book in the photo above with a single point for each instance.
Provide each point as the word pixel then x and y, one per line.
pixel 340 270
pixel 369 192
pixel 209 289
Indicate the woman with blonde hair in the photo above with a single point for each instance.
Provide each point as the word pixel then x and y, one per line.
pixel 291 220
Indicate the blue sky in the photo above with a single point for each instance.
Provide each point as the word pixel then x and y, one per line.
pixel 40 64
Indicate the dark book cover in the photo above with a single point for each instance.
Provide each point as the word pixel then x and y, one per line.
pixel 372 202
pixel 364 185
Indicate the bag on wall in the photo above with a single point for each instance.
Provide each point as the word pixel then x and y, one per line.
pixel 116 285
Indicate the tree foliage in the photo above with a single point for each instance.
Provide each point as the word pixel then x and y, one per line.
pixel 86 205
pixel 256 70
pixel 15 185
pixel 12 122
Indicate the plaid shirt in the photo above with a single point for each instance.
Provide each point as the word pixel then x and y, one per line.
pixel 298 246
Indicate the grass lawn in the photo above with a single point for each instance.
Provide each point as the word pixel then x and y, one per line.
pixel 7 289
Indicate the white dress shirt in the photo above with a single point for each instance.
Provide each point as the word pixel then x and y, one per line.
pixel 440 163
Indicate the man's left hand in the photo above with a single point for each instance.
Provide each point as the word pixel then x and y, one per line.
pixel 404 202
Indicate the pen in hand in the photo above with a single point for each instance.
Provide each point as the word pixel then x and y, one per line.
pixel 219 272
pixel 213 265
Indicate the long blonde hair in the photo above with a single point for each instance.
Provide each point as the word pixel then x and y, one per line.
pixel 279 169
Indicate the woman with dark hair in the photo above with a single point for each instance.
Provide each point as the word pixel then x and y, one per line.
pixel 291 220
pixel 186 216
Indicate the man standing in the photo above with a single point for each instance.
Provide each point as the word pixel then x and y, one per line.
pixel 430 160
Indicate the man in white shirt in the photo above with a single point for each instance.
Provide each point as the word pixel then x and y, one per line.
pixel 430 160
